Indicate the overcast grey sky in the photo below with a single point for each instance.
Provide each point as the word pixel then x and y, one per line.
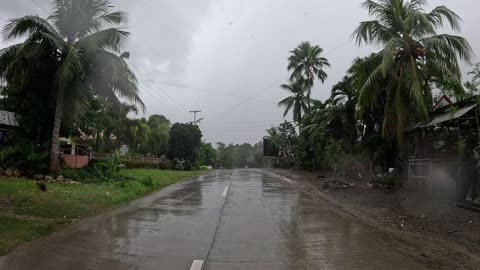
pixel 238 48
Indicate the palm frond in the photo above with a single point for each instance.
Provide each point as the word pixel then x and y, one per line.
pixel 69 68
pixel 372 32
pixel 103 21
pixel 413 84
pixel 8 56
pixel 288 103
pixel 368 90
pixel 441 15
pixel 26 26
pixel 70 22
pixel 449 46
pixel 417 5
pixel 389 54
pixel 78 103
pixel 112 74
pixel 111 39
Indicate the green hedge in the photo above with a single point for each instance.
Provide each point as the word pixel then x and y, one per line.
pixel 136 164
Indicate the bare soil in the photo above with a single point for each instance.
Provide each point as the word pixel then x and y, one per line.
pixel 426 225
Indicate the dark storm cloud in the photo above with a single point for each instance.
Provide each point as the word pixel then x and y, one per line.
pixel 162 32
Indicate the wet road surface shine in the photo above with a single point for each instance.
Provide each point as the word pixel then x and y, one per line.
pixel 241 219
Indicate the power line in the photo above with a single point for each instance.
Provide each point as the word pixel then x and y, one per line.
pixel 209 91
pixel 246 99
pixel 237 122
pixel 3 19
pixel 339 46
pixel 38 5
pixel 183 110
pixel 172 108
pixel 258 93
pixel 168 96
pixel 172 105
pixel 276 82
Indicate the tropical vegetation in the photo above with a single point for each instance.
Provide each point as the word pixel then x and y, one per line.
pixel 383 93
pixel 71 68
pixel 78 51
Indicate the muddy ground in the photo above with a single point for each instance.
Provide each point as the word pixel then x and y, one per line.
pixel 415 215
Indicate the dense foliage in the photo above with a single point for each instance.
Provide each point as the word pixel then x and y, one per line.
pixel 69 77
pixel 185 140
pixel 240 155
pixel 381 94
pixel 78 50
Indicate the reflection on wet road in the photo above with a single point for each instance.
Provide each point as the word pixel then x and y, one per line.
pixel 241 219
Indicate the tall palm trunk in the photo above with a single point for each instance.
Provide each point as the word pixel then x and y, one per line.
pixel 54 166
pixel 309 103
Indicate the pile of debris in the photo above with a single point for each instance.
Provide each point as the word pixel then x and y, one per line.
pixel 15 172
pixel 57 180
pixel 10 172
pixel 337 184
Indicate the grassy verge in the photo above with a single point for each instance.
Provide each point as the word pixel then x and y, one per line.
pixel 26 213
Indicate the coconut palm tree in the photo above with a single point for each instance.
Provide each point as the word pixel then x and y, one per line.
pixel 414 58
pixel 306 62
pixel 297 101
pixel 137 133
pixel 84 39
pixel 344 98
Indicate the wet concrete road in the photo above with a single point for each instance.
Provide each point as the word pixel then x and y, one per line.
pixel 240 219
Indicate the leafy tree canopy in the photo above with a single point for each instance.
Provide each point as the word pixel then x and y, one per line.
pixel 184 142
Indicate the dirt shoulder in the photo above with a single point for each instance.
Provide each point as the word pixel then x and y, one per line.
pixel 427 227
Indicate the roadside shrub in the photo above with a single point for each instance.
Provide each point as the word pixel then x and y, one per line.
pixel 332 152
pixel 148 182
pixel 136 164
pixel 178 165
pixel 25 156
pixel 87 174
pixel 71 173
pixel 188 166
pixel 105 171
pixel 167 165
pixel 135 187
pixel 7 156
pixel 97 171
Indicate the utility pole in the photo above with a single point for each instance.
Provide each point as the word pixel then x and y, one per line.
pixel 195 116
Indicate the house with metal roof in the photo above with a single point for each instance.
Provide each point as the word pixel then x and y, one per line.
pixel 447 143
pixel 8 121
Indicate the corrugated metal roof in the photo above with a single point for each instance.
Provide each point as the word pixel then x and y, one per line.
pixel 444 117
pixel 450 115
pixel 8 119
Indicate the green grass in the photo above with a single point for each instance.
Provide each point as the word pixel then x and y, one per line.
pixel 14 232
pixel 27 213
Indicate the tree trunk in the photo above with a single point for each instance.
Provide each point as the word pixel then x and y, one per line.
pixel 54 166
pixel 309 101
pixel 97 141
